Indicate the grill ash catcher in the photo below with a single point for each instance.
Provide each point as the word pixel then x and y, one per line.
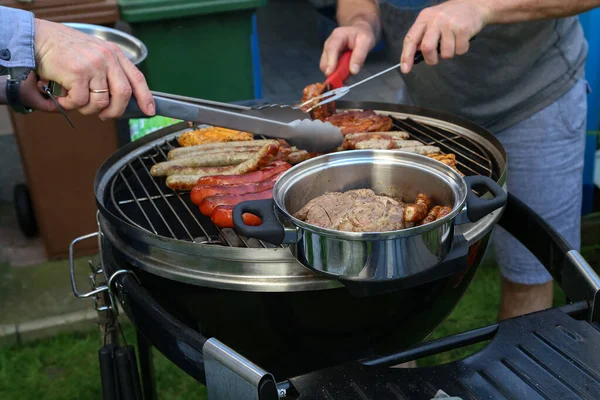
pixel 245 318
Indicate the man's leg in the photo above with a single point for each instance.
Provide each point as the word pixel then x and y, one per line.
pixel 545 167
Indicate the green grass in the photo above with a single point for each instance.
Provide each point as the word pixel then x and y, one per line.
pixel 66 366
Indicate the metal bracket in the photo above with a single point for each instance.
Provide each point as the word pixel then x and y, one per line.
pixel 580 282
pixel 95 271
pixel 230 376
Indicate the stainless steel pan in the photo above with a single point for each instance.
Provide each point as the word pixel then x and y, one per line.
pixel 370 256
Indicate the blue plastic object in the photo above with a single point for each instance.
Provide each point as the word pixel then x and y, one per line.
pixel 591 26
pixel 256 70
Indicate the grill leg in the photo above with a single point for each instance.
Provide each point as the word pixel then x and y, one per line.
pixel 146 367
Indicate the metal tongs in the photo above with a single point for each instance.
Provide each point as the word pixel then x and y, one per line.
pixel 278 122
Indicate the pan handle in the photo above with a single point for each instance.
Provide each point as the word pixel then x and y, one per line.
pixel 477 207
pixel 270 230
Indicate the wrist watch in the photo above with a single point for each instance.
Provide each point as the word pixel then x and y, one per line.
pixel 13 84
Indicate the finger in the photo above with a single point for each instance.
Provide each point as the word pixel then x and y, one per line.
pixel 98 101
pixel 138 85
pixel 462 42
pixel 409 48
pixel 78 95
pixel 37 101
pixel 332 49
pixel 120 91
pixel 360 49
pixel 429 44
pixel 447 43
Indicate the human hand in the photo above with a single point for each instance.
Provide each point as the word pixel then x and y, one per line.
pixel 359 37
pixel 450 24
pixel 80 63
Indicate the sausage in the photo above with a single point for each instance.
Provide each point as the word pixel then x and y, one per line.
pixel 376 144
pixel 421 198
pixel 209 204
pixel 402 144
pixel 199 193
pixel 417 211
pixel 443 212
pixel 262 158
pixel 431 215
pixel 396 135
pixel 222 216
pixel 298 156
pixel 423 150
pixel 200 170
pixel 250 177
pixel 200 160
pixel 178 152
pixel 218 150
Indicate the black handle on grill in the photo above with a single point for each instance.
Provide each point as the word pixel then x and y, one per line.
pixel 108 380
pixel 270 230
pixel 478 208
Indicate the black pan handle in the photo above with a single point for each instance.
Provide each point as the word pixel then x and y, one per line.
pixel 270 230
pixel 477 207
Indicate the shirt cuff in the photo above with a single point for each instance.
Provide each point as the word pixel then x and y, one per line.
pixel 16 38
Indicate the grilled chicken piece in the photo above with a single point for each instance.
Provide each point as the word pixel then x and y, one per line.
pixel 360 122
pixel 211 135
pixel 314 90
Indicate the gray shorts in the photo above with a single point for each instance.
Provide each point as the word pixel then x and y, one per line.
pixel 545 170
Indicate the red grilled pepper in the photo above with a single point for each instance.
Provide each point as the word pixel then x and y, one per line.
pixel 222 216
pixel 210 203
pixel 250 177
pixel 199 193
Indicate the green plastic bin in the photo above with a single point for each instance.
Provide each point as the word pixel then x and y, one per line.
pixel 197 48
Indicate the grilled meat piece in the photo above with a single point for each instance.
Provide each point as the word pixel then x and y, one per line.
pixel 212 134
pixel 358 210
pixel 448 159
pixel 314 90
pixel 360 122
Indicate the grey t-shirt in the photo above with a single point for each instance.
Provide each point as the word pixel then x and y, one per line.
pixel 510 72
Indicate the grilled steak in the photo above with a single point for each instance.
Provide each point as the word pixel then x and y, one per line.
pixel 358 210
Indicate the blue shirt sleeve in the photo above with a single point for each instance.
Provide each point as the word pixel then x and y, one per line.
pixel 16 38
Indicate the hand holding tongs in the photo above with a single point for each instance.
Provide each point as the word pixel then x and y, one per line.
pixel 341 90
pixel 338 92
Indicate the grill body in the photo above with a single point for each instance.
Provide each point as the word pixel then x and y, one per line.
pixel 257 298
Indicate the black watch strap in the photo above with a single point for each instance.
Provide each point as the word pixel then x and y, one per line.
pixel 13 84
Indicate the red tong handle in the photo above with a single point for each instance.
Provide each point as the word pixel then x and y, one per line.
pixel 342 71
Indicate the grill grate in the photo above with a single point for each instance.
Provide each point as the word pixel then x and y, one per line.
pixel 471 158
pixel 149 204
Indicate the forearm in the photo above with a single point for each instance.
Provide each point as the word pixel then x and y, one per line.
pixel 352 12
pixel 511 11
